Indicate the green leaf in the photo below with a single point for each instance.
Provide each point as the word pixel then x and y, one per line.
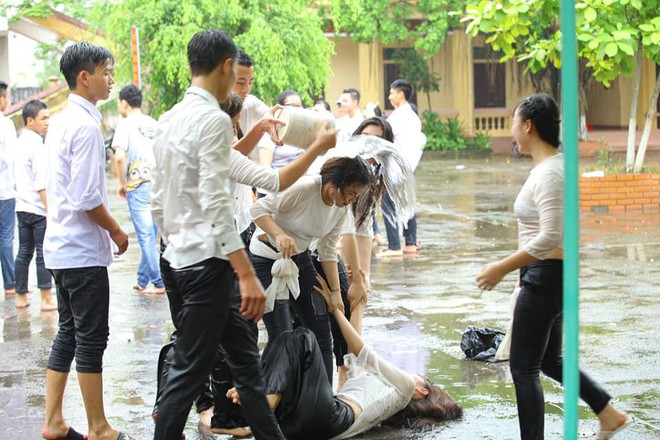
pixel 611 49
pixel 590 14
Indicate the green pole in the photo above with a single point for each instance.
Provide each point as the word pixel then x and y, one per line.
pixel 569 99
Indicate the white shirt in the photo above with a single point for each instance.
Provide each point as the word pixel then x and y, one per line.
pixel 408 136
pixel 191 201
pixel 302 214
pixel 348 124
pixel 540 208
pixel 135 135
pixel 76 184
pixel 253 110
pixel 7 148
pixel 31 172
pixel 379 388
pixel 244 175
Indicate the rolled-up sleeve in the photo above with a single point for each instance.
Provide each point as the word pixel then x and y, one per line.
pixel 549 199
pixel 84 189
pixel 214 193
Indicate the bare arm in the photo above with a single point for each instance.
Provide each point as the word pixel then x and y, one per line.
pixel 332 275
pixel 493 273
pixel 44 199
pixel 102 217
pixel 120 161
pixel 357 293
pixel 254 135
pixel 285 244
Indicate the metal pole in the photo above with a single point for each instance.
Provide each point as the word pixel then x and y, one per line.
pixel 569 98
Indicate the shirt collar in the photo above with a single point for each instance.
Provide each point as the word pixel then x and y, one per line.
pixel 88 106
pixel 204 94
pixel 32 135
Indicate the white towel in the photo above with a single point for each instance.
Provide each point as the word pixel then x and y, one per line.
pixel 285 280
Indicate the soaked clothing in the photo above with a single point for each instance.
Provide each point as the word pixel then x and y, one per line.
pixel 295 369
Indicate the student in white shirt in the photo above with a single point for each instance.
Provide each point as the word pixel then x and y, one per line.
pixel 78 241
pixel 204 256
pixel 254 110
pixel 7 194
pixel 408 137
pixel 375 392
pixel 536 341
pixel 312 208
pixel 133 143
pixel 30 170
pixel 351 117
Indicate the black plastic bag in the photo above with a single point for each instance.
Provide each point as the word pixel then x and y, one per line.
pixel 480 344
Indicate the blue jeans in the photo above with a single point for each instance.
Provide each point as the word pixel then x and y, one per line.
pixel 139 205
pixel 31 230
pixel 83 299
pixel 392 228
pixel 7 224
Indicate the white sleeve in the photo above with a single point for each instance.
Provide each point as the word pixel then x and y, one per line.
pixel 327 245
pixel 120 138
pixel 245 171
pixel 399 379
pixel 40 167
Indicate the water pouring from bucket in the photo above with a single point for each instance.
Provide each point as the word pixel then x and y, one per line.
pixel 301 125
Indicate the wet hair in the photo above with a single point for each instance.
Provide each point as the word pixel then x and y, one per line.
pixel 379 121
pixel 377 187
pixel 405 87
pixel 32 108
pixel 436 407
pixel 543 111
pixel 355 94
pixel 80 57
pixel 132 95
pixel 285 94
pixel 342 172
pixel 3 88
pixel 243 59
pixel 233 105
pixel 207 49
pixel 324 103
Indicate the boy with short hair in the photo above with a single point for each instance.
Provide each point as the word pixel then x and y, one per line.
pixel 78 242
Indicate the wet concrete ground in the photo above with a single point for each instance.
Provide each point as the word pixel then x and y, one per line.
pixel 418 309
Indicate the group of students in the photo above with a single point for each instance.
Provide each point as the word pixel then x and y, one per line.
pixel 216 289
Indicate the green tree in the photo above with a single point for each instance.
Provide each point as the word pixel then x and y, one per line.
pixel 285 39
pixel 613 35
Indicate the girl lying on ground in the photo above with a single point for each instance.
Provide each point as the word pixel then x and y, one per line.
pixel 375 391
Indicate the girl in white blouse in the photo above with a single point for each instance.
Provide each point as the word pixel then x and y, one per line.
pixel 313 208
pixel 536 341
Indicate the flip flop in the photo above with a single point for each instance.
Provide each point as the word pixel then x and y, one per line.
pixel 72 434
pixel 606 435
pixel 123 436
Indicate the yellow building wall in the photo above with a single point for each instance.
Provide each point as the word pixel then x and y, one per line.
pixel 345 65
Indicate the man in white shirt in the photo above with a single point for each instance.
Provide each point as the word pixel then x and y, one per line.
pixel 79 240
pixel 30 170
pixel 254 109
pixel 133 143
pixel 7 194
pixel 204 255
pixel 408 137
pixel 349 109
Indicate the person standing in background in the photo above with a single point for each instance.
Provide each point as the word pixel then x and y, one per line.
pixel 7 194
pixel 30 170
pixel 348 104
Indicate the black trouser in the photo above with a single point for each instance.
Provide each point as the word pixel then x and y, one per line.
pixel 309 306
pixel 339 345
pixel 536 345
pixel 308 410
pixel 31 230
pixel 83 298
pixel 200 304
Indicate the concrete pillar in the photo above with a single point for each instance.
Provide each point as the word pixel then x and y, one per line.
pixel 4 50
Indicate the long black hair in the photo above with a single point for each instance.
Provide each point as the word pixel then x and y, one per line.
pixel 543 111
pixel 342 172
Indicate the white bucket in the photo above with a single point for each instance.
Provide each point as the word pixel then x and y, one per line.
pixel 302 125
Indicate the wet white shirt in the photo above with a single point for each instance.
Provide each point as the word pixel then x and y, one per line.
pixel 191 200
pixel 408 136
pixel 76 184
pixel 539 208
pixel 7 149
pixel 30 171
pixel 302 214
pixel 246 174
pixel 348 124
pixel 253 110
pixel 379 388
